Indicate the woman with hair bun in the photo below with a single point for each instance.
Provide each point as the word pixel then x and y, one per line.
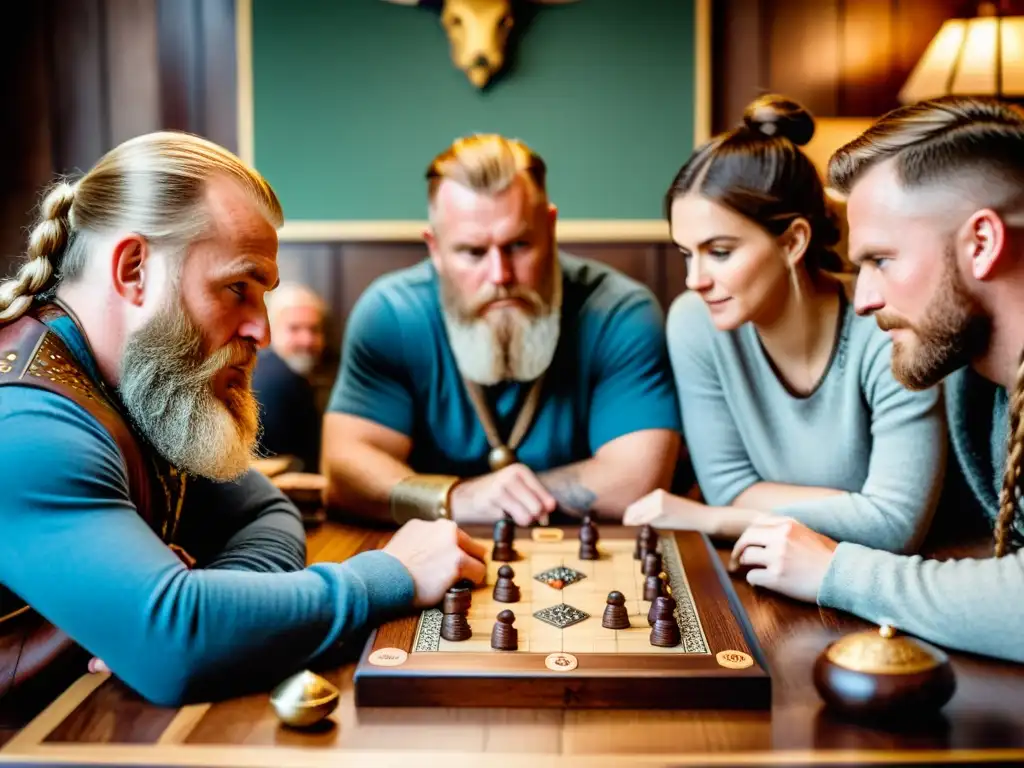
pixel 789 405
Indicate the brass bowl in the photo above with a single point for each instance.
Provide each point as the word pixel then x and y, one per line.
pixel 874 674
pixel 304 699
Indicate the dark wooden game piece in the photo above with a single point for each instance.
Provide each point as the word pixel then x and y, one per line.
pixel 588 539
pixel 505 637
pixel 504 535
pixel 615 614
pixel 652 587
pixel 877 674
pixel 454 624
pixel 665 631
pixel 646 541
pixel 663 604
pixel 506 590
pixel 652 564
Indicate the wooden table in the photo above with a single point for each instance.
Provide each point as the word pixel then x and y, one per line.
pixel 99 720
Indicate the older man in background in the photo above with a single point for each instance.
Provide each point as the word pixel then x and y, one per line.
pixel 289 413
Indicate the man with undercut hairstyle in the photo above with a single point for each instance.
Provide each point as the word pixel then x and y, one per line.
pixel 500 377
pixel 935 200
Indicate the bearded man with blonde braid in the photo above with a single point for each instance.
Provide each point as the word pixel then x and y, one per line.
pixel 935 200
pixel 500 378
pixel 132 528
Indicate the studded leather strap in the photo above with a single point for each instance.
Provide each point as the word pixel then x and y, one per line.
pixel 31 355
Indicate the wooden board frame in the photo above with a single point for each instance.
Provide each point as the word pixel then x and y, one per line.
pixel 614 681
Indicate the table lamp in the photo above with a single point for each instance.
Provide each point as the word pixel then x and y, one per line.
pixel 979 56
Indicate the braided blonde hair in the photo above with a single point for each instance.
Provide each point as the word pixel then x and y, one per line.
pixel 1009 498
pixel 49 236
pixel 152 185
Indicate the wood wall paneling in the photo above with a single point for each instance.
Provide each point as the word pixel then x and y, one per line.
pixel 196 41
pixel 131 63
pixel 81 86
pixel 804 52
pixel 25 132
pixel 840 58
pixel 219 80
pixel 740 59
pixel 868 77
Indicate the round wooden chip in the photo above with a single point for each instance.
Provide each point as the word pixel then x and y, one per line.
pixel 388 657
pixel 561 662
pixel 734 659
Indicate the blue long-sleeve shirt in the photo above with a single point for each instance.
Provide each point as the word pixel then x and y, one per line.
pixel 73 546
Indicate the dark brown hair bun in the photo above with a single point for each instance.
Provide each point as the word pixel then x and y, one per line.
pixel 776 116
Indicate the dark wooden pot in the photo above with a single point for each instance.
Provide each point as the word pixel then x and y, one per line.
pixel 876 674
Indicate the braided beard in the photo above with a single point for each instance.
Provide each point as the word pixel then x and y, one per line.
pixel 166 384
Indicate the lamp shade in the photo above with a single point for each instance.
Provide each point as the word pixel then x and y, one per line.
pixel 982 56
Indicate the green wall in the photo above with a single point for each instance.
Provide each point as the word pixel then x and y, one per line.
pixel 352 99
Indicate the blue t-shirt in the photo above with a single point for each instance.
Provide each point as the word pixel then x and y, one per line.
pixel 610 374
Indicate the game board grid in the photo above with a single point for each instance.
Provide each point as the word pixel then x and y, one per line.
pixel 589 595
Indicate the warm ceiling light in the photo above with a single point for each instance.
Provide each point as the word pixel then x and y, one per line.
pixel 981 56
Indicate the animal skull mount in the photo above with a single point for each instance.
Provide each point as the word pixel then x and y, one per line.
pixel 478 32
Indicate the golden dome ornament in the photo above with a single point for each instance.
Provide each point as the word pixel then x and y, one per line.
pixel 500 457
pixel 882 672
pixel 304 699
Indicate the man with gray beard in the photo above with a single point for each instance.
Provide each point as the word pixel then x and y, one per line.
pixel 131 528
pixel 500 378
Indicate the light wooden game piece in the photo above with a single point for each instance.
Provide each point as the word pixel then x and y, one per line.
pixel 615 614
pixel 504 535
pixel 506 590
pixel 454 624
pixel 588 539
pixel 505 637
pixel 664 631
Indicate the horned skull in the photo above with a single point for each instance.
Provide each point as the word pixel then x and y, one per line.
pixel 478 32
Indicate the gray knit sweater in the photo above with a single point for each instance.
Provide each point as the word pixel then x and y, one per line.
pixel 974 605
pixel 859 431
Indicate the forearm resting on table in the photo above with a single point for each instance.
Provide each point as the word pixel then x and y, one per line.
pixel 768 496
pixel 619 473
pixel 360 478
pixel 756 501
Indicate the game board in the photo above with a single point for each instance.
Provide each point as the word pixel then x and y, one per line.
pixel 565 657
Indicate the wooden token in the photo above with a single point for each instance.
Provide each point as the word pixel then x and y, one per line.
pixel 734 659
pixel 388 657
pixel 561 662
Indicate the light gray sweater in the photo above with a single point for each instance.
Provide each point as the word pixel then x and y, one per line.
pixel 859 431
pixel 970 604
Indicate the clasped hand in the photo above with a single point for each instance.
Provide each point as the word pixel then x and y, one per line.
pixel 514 491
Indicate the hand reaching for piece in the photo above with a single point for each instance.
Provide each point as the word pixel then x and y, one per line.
pixel 514 491
pixel 437 554
pixel 787 557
